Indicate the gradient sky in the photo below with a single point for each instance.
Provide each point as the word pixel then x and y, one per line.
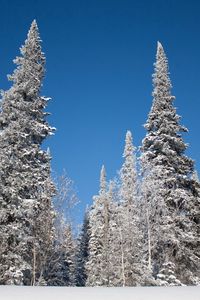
pixel 100 56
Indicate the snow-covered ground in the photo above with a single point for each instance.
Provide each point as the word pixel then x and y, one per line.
pixel 66 293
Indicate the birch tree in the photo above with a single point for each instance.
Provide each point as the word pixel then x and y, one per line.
pixel 60 264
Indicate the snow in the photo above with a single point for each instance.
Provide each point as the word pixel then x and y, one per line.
pixel 132 293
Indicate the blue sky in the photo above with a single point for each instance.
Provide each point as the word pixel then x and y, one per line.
pixel 100 56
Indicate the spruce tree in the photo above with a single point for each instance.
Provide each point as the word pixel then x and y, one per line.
pixel 114 247
pixel 60 264
pixel 69 247
pixel 26 188
pixel 128 173
pixel 116 237
pixel 131 234
pixel 82 253
pixel 98 262
pixel 167 277
pixel 168 172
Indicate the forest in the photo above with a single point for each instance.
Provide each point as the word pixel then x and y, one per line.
pixel 143 228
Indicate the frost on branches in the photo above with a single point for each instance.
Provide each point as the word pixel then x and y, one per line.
pixel 170 192
pixel 26 188
pixel 140 230
pixel 82 253
pixel 60 264
pixel 99 266
pixel 128 216
pixel 97 262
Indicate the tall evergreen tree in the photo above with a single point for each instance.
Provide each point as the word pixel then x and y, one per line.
pixel 82 253
pixel 117 251
pixel 26 188
pixel 165 165
pixel 98 262
pixel 114 243
pixel 133 266
pixel 128 173
pixel 69 250
pixel 60 264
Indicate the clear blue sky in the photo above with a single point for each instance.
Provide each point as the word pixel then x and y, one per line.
pixel 100 56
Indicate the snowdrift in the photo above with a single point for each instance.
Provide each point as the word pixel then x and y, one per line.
pixel 133 293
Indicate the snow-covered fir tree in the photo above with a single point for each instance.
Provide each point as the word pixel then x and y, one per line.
pixel 26 188
pixel 170 192
pixel 113 271
pixel 131 233
pixel 128 173
pixel 60 266
pixel 166 276
pixel 56 272
pixel 69 250
pixel 98 261
pixel 154 219
pixel 82 253
pixel 116 238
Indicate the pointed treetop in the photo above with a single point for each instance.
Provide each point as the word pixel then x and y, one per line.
pixel 162 88
pixel 159 45
pixel 129 148
pixel 103 180
pixel 31 63
pixel 128 173
pixel 160 55
pixel 33 32
pixel 163 137
pixel 34 23
pixel 128 135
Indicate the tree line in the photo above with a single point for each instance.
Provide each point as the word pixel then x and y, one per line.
pixel 143 227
